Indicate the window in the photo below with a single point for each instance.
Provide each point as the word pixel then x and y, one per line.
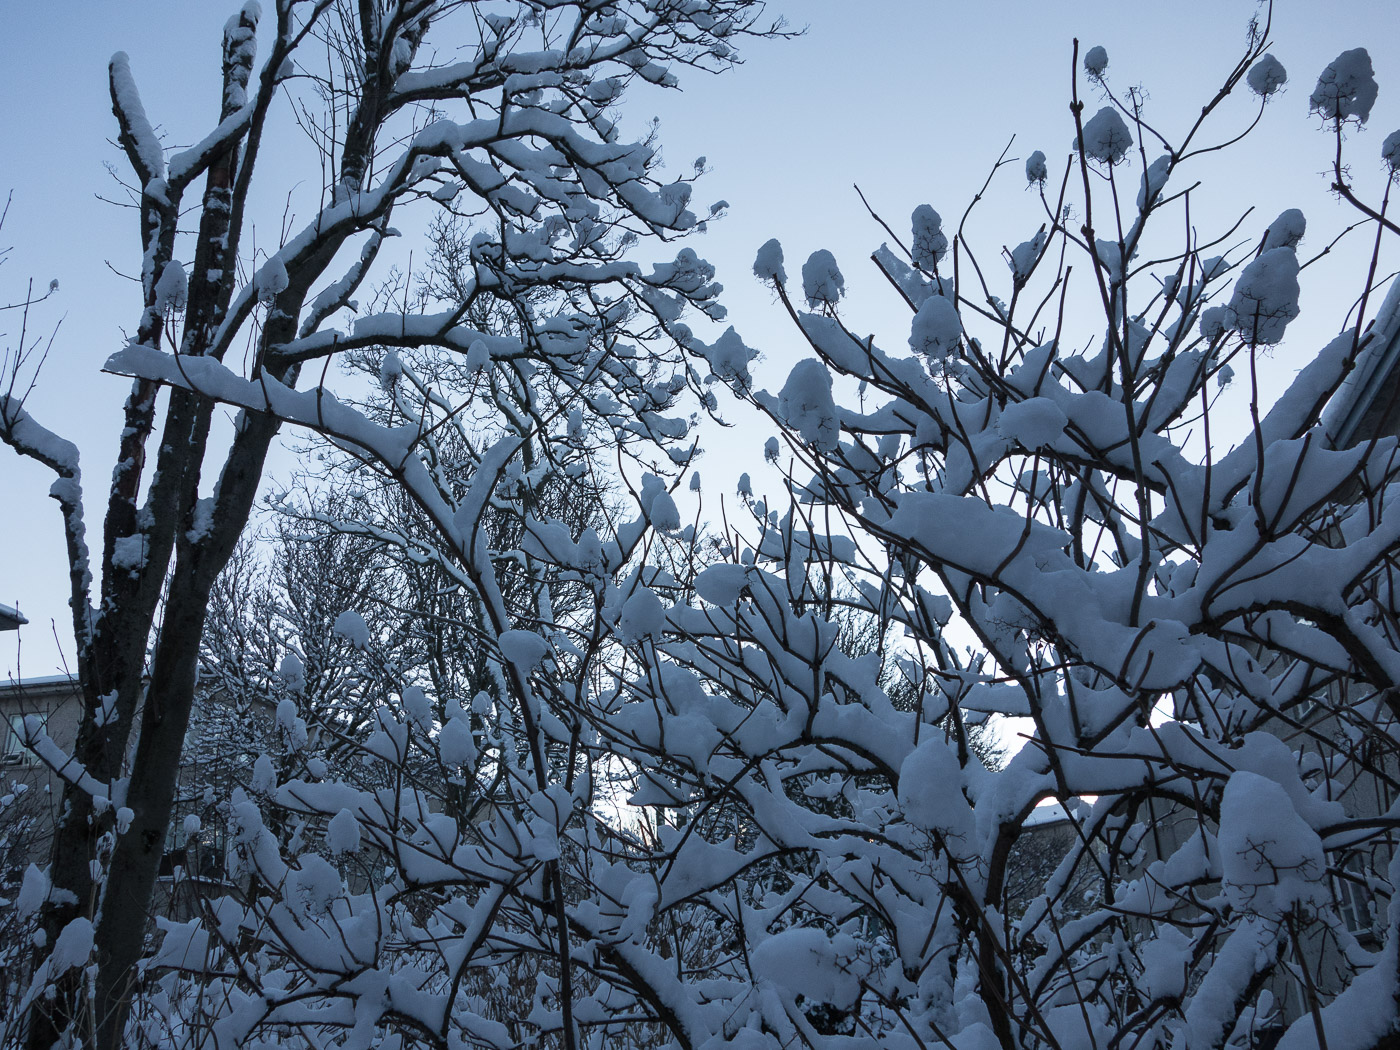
pixel 15 752
pixel 199 852
pixel 1355 901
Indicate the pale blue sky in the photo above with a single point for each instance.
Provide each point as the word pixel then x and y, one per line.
pixel 913 99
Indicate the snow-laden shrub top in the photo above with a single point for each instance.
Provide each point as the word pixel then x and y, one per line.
pixel 1347 88
pixel 1106 137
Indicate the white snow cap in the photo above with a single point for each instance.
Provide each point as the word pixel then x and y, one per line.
pixel 1153 179
pixel 478 356
pixel 1034 423
pixel 264 777
pixel 658 506
pixel 1213 320
pixel 936 328
pixel 351 626
pixel 525 649
pixel 292 725
pixel 1024 256
pixel 1095 61
pixel 768 263
pixel 1270 858
pixel 728 356
pixel 292 672
pixel 805 961
pixel 33 891
pixel 807 406
pixel 1265 297
pixel 1390 151
pixel 343 833
pixel 930 242
pixel 1266 76
pixel 73 946
pixel 172 290
pixel 271 280
pixel 390 369
pixel 643 616
pixel 822 282
pixel 1287 230
pixel 1106 137
pixel 930 793
pixel 418 707
pixel 1347 88
pixel 456 746
pixel 1036 171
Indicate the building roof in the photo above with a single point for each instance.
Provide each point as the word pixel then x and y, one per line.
pixel 1368 403
pixel 40 682
pixel 1046 814
pixel 10 619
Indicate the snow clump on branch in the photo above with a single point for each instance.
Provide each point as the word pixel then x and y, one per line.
pixel 805 403
pixel 1036 423
pixel 1390 152
pixel 172 290
pixel 768 263
pixel 930 792
pixel 930 242
pixel 822 283
pixel 292 672
pixel 1036 171
pixel 936 328
pixel 1153 179
pixel 1024 256
pixel 1287 230
pixel 1106 137
pixel 1096 62
pixel 351 626
pixel 1270 858
pixel 1266 76
pixel 658 506
pixel 1347 88
pixel 343 833
pixel 728 356
pixel 456 746
pixel 1265 298
pixel 271 280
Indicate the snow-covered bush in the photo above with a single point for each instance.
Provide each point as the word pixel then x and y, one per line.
pixel 594 782
pixel 1192 637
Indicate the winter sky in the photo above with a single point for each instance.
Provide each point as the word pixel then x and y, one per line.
pixel 914 100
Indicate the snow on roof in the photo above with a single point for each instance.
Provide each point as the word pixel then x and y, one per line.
pixel 1359 408
pixel 10 619
pixel 17 684
pixel 1054 813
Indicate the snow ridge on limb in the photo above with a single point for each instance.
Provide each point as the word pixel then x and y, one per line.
pixel 137 136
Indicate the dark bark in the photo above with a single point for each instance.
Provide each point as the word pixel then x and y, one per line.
pixel 112 659
pixel 164 719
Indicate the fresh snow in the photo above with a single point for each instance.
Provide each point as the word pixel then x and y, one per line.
pixel 1347 88
pixel 1106 137
pixel 1266 76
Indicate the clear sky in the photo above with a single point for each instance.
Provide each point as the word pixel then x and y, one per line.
pixel 912 99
